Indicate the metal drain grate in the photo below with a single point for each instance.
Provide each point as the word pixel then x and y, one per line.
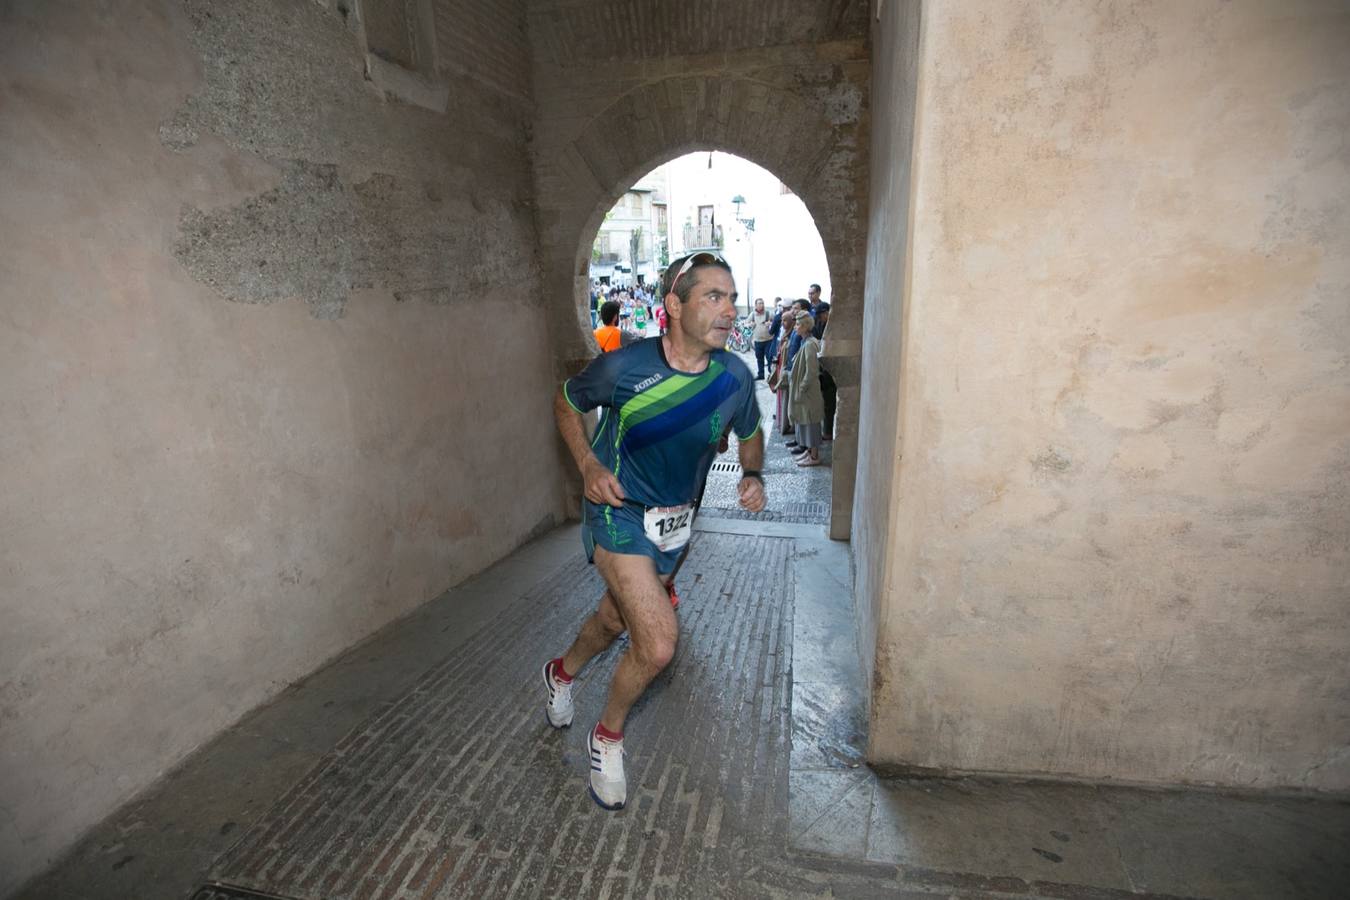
pixel 228 892
pixel 794 513
pixel 813 508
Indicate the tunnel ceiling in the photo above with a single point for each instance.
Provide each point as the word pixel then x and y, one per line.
pixel 579 32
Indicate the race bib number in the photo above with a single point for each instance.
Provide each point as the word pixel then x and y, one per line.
pixel 669 527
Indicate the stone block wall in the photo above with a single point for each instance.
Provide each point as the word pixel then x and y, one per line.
pixel 273 372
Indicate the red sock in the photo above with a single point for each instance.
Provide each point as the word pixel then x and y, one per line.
pixel 606 735
pixel 560 673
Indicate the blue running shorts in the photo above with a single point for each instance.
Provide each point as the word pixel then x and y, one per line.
pixel 620 529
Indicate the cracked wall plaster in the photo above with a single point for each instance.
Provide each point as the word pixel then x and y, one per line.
pixel 373 193
pixel 316 237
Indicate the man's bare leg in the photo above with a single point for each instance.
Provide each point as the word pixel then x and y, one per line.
pixel 600 629
pixel 643 604
pixel 597 633
pixel 637 601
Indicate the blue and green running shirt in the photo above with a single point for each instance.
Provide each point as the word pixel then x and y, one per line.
pixel 659 427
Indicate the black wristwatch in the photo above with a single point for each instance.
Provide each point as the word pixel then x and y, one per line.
pixel 752 473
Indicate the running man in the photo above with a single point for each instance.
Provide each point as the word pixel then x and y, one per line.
pixel 666 404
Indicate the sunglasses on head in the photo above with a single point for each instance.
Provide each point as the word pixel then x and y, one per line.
pixel 701 258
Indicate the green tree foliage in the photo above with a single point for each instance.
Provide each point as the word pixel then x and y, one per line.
pixel 635 248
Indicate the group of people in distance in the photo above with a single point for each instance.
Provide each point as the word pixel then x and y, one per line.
pixel 788 346
pixel 634 307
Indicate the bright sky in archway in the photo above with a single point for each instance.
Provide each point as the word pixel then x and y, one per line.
pixel 782 256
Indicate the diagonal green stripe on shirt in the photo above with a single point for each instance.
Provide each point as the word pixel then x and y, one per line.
pixel 664 395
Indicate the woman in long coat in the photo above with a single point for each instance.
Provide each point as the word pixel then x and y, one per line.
pixel 806 404
pixel 778 383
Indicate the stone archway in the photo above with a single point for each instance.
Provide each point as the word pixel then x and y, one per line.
pixel 592 225
pixel 807 127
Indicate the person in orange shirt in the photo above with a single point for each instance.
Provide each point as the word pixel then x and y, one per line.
pixel 609 335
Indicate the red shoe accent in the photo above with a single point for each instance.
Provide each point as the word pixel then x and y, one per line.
pixel 674 597
pixel 605 734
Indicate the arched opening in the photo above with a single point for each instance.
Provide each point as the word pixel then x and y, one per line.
pixel 718 200
pixel 585 163
pixel 708 199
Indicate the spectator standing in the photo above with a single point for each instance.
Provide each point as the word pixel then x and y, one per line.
pixel 609 335
pixel 761 320
pixel 778 382
pixel 806 407
pixel 775 328
pixel 790 343
pixel 828 389
pixel 800 307
pixel 821 313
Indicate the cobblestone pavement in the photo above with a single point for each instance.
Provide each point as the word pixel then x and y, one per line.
pixel 419 765
pixel 460 788
pixel 796 494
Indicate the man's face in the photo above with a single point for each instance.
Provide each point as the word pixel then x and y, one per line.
pixel 710 312
pixel 759 306
pixel 813 294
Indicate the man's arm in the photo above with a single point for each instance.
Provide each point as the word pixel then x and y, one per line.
pixel 751 488
pixel 600 484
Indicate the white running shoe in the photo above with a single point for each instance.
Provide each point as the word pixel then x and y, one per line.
pixel 609 788
pixel 559 707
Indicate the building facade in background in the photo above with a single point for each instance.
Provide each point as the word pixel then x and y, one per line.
pixel 632 245
pixel 720 202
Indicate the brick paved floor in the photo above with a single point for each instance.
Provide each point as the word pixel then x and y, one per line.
pixel 419 765
pixel 795 494
pixel 460 788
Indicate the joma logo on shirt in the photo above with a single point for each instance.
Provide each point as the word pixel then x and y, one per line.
pixel 646 383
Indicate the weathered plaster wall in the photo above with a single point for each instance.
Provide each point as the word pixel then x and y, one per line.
pixel 272 373
pixel 895 39
pixel 622 87
pixel 1121 547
